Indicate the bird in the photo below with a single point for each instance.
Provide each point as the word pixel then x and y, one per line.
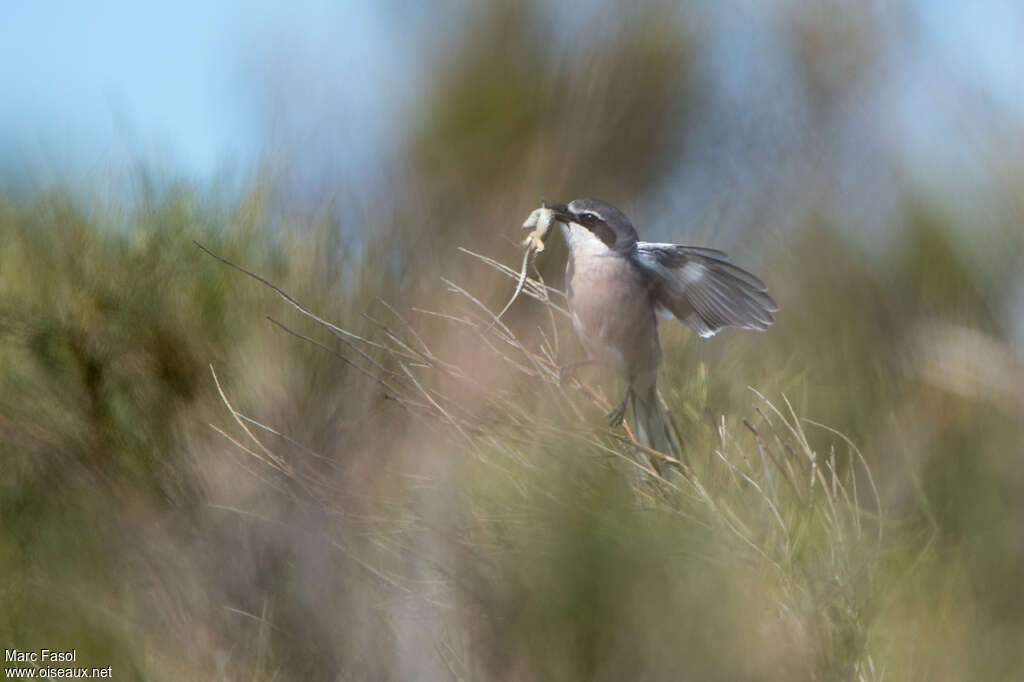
pixel 617 286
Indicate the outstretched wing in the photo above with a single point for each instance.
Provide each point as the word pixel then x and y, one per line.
pixel 703 289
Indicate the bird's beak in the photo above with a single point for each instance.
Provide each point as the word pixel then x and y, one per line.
pixel 561 212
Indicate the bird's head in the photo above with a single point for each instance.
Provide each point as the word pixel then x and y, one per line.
pixel 604 221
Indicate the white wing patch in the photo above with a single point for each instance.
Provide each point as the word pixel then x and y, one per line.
pixel 692 272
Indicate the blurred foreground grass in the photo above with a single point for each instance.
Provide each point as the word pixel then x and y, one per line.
pixel 449 511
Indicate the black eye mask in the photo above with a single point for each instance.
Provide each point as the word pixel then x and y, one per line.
pixel 604 233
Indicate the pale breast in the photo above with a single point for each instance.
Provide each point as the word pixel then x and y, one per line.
pixel 611 310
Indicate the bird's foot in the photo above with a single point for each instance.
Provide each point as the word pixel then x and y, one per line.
pixel 617 415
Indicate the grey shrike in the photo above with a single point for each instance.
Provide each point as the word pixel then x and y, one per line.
pixel 616 284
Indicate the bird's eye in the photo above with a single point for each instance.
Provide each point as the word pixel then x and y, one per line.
pixel 589 218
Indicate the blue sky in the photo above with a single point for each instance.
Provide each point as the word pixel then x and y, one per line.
pixel 92 85
pixel 200 86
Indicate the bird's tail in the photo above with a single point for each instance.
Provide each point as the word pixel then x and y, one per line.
pixel 651 426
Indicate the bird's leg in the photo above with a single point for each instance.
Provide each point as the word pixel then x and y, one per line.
pixel 618 413
pixel 567 372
